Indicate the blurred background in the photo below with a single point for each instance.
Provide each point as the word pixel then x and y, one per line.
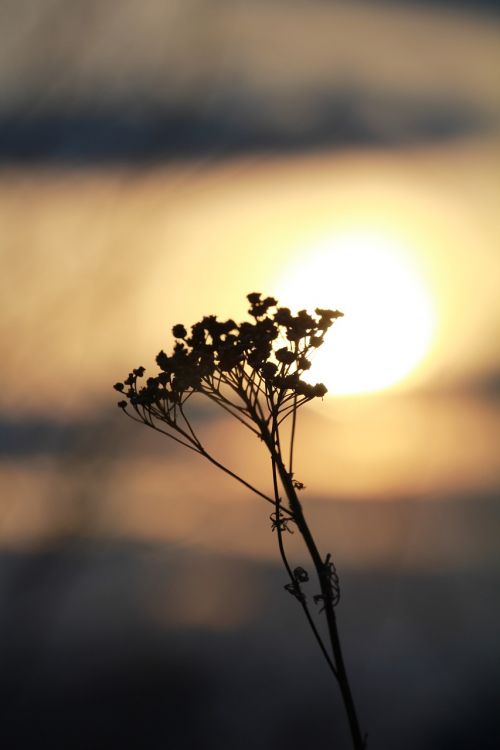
pixel 159 161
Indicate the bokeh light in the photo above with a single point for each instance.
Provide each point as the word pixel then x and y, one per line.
pixel 389 317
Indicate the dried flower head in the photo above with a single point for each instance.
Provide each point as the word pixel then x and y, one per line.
pixel 241 366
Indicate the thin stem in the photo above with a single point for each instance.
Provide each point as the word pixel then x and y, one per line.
pixel 279 529
pixel 193 434
pixel 326 591
pixel 284 558
pixel 158 429
pixel 214 461
pixel 198 448
pixel 292 436
pixel 294 421
pixel 228 406
pixel 285 412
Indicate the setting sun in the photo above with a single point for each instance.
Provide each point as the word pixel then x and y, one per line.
pixel 389 318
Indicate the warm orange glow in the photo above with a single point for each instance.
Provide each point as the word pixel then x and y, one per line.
pixel 389 318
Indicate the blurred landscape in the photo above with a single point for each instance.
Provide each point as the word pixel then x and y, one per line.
pixel 158 161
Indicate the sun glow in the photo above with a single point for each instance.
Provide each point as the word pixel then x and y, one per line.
pixel 389 318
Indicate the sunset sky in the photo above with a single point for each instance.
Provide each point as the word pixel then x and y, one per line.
pixel 383 204
pixel 159 160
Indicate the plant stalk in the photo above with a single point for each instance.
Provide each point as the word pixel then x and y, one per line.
pixel 323 576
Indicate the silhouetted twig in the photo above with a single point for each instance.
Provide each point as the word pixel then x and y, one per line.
pixel 254 371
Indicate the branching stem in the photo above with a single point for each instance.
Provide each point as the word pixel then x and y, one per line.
pixel 254 372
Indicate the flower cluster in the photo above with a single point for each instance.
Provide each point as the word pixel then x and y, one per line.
pixel 260 363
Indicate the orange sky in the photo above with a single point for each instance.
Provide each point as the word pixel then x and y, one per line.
pixel 99 262
pixel 107 262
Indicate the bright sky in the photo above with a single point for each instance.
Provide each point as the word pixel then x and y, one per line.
pixel 108 263
pixel 101 263
pixel 389 322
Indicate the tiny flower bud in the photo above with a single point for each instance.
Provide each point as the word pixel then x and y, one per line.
pixel 285 355
pixel 179 331
pixel 301 575
pixel 320 390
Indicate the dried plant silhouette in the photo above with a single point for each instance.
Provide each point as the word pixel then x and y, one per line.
pixel 254 371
